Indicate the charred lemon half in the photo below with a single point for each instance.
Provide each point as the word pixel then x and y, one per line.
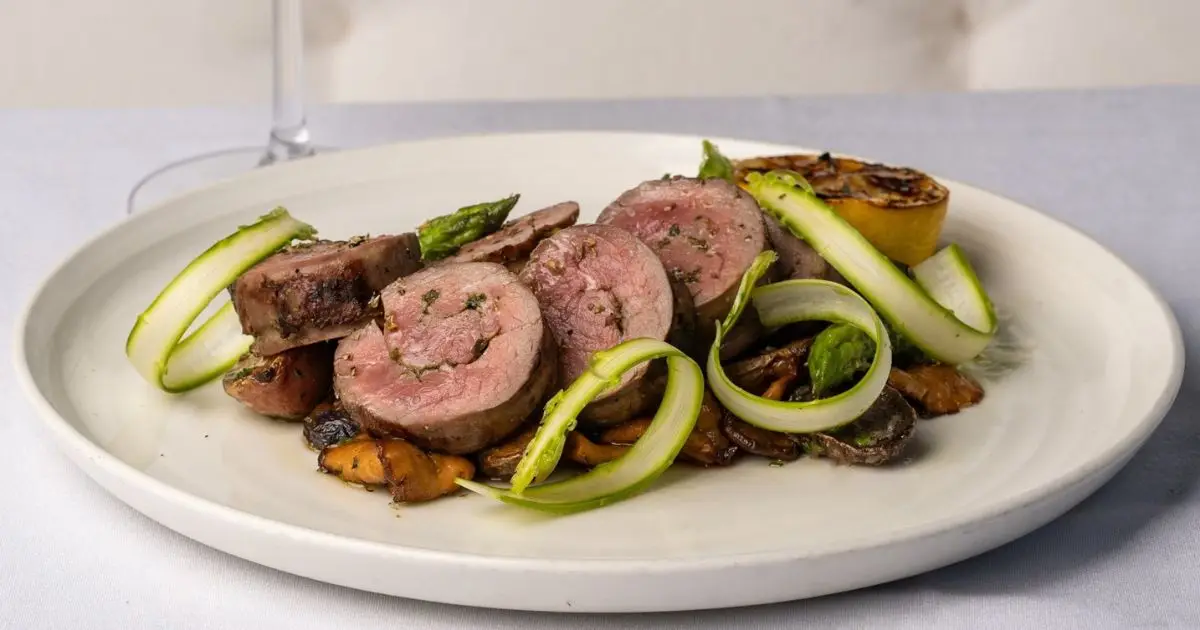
pixel 899 210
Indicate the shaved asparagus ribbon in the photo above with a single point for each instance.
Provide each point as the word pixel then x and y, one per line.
pixel 154 347
pixel 633 471
pixel 795 301
pixel 943 309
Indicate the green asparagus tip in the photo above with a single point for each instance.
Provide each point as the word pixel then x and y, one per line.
pixel 443 236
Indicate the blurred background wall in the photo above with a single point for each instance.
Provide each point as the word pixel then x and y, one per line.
pixel 121 53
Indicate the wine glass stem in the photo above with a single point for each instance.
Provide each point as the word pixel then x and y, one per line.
pixel 289 129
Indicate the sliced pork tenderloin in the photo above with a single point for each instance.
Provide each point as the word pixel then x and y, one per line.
pixel 598 286
pixel 512 243
pixel 319 291
pixel 705 232
pixel 797 259
pixel 462 359
pixel 284 386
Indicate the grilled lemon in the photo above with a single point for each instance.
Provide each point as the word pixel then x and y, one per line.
pixel 899 210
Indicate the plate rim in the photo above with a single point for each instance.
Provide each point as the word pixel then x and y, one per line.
pixel 78 445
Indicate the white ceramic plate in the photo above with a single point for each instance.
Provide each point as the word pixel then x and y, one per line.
pixel 1103 361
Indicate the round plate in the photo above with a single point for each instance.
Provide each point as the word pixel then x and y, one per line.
pixel 1093 361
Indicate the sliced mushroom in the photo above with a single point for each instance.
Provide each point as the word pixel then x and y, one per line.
pixel 414 476
pixel 757 373
pixel 500 462
pixel 705 445
pixel 779 387
pixel 626 433
pixel 329 425
pixel 410 474
pixel 877 437
pixel 757 441
pixel 936 389
pixel 355 461
pixel 585 452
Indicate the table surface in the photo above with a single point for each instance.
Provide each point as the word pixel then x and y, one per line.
pixel 1121 165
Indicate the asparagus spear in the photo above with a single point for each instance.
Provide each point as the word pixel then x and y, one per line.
pixel 442 236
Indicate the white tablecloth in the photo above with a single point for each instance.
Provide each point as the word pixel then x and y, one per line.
pixel 1121 165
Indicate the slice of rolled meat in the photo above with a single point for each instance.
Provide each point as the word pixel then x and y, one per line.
pixel 285 386
pixel 319 291
pixel 512 243
pixel 598 286
pixel 683 323
pixel 462 359
pixel 706 232
pixel 797 259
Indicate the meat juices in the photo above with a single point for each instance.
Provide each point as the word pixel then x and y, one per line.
pixel 462 359
pixel 319 291
pixel 705 232
pixel 598 286
pixel 513 242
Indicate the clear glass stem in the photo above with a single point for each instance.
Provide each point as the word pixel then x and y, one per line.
pixel 289 129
